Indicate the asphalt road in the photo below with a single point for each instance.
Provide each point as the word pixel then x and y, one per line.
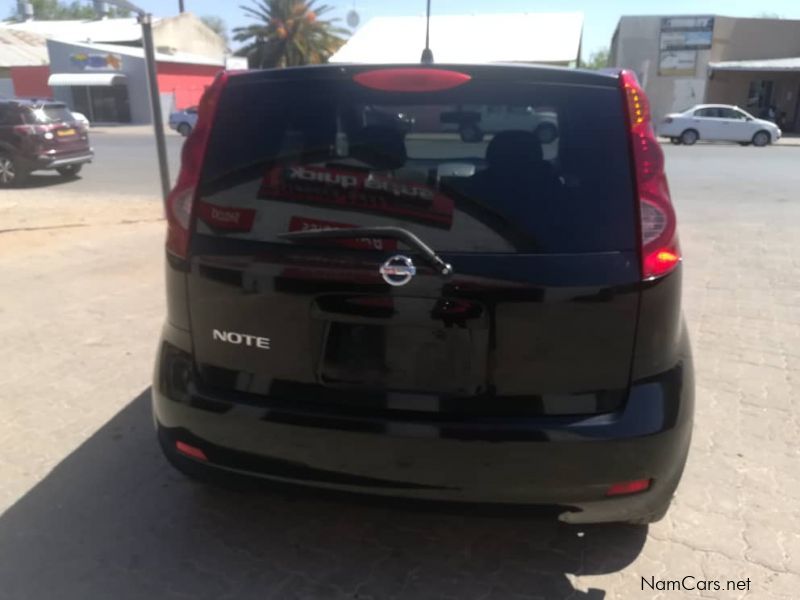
pixel 89 508
pixel 128 164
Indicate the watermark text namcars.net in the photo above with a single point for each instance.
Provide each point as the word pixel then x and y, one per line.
pixel 690 583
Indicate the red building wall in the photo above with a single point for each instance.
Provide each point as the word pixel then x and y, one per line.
pixel 186 82
pixel 31 81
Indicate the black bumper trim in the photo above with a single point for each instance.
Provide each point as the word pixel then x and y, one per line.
pixel 55 163
pixel 236 460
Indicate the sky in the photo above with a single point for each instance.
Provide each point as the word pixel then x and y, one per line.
pixel 600 16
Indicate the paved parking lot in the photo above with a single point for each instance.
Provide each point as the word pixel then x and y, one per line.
pixel 89 509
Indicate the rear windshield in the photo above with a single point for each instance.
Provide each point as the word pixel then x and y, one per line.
pixel 485 167
pixel 49 113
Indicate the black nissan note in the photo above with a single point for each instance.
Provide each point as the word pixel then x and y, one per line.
pixel 458 283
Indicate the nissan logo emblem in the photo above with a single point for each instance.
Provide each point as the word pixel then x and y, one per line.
pixel 398 270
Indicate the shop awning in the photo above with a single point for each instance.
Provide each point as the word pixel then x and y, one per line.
pixel 765 64
pixel 103 79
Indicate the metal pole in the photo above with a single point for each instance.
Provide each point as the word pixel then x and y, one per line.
pixel 146 20
pixel 180 5
pixel 428 25
pixel 427 53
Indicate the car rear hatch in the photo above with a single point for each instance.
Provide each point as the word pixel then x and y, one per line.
pixel 58 130
pixel 539 313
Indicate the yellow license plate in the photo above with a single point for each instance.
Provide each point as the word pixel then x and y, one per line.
pixel 65 132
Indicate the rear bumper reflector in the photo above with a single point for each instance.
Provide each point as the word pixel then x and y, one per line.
pixel 629 487
pixel 190 451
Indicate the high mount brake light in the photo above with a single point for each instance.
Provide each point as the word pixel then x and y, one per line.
pixel 659 239
pixel 411 79
pixel 181 199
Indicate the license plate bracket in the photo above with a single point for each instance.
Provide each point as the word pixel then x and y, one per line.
pixel 408 358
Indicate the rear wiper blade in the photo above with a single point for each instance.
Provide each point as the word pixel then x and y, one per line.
pixel 396 233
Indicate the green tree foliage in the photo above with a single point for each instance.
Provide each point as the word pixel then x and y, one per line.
pixel 46 10
pixel 288 33
pixel 598 59
pixel 218 25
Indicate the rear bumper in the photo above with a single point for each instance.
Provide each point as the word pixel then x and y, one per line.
pixel 564 462
pixel 59 160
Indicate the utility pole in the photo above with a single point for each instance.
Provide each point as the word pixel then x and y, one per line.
pixel 146 21
pixel 180 6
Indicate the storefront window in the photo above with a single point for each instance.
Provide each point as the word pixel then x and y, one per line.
pixel 759 97
pixel 103 103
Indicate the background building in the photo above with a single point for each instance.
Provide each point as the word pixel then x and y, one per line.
pixel 691 59
pixel 97 66
pixel 23 58
pixel 181 33
pixel 108 83
pixel 547 38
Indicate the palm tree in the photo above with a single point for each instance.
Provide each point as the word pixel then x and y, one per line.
pixel 288 33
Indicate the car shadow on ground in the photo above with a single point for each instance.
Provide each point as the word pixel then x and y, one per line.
pixel 38 180
pixel 113 520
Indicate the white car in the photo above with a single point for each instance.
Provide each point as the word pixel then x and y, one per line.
pixel 718 123
pixel 475 121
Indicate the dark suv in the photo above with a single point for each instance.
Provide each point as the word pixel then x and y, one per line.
pixel 401 309
pixel 37 135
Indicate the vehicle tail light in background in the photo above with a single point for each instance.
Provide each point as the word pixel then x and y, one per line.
pixel 628 487
pixel 411 79
pixel 659 237
pixel 181 199
pixel 34 129
pixel 190 451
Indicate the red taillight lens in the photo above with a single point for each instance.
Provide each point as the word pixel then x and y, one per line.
pixel 628 487
pixel 181 199
pixel 659 239
pixel 411 79
pixel 33 129
pixel 190 451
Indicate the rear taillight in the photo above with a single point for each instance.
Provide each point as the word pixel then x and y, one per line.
pixel 411 79
pixel 659 238
pixel 34 129
pixel 181 199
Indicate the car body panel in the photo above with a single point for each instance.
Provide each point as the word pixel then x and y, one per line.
pixel 187 116
pixel 544 460
pixel 528 376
